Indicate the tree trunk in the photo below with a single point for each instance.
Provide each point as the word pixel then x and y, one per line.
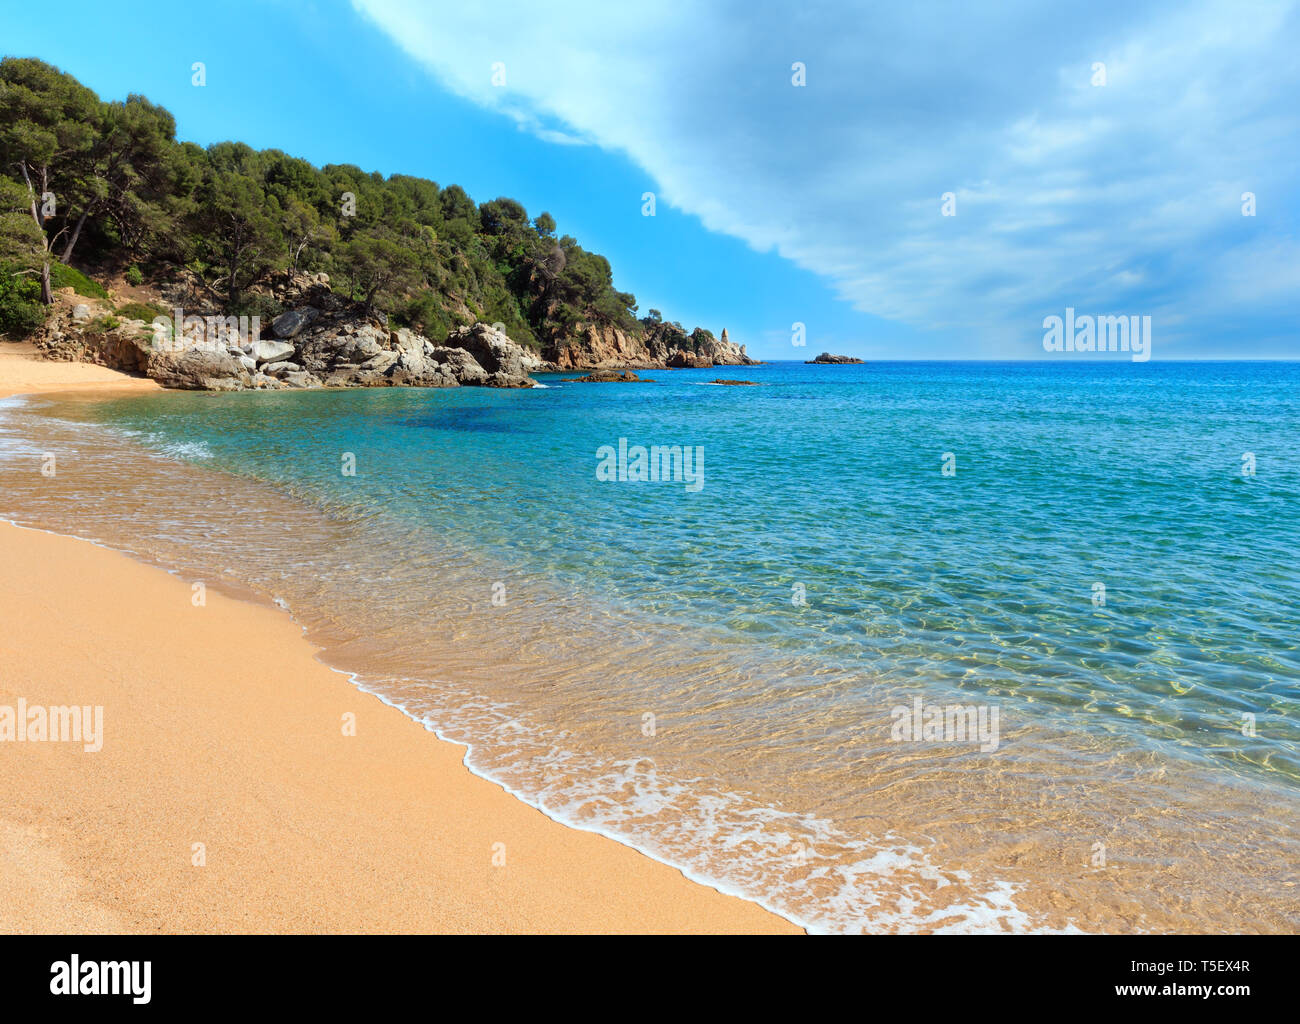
pixel 47 292
pixel 76 233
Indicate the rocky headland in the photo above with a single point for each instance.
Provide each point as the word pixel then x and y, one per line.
pixel 324 340
pixel 659 346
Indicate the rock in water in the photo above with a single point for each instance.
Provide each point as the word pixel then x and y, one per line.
pixel 608 377
pixel 826 357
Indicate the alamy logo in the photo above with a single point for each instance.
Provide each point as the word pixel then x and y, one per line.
pixel 948 723
pixel 179 332
pixel 54 724
pixel 656 464
pixel 1098 334
pixel 71 977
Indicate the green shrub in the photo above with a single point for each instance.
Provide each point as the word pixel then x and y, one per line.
pixel 64 276
pixel 256 304
pixel 102 324
pixel 140 311
pixel 425 314
pixel 21 311
pixel 133 277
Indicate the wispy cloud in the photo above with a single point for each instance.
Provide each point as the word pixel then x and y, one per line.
pixel 1121 197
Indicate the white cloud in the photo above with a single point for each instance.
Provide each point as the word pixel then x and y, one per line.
pixel 1115 197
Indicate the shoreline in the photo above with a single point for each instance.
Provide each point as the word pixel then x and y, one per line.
pixel 303 828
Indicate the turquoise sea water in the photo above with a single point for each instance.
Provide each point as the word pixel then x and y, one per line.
pixel 717 668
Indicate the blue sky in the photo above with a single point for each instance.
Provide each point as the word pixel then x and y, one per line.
pixel 820 204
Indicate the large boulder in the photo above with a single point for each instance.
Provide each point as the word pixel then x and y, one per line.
pixel 268 351
pixel 333 340
pixel 491 349
pixel 381 361
pixel 367 342
pixel 460 364
pixel 198 369
pixel 290 322
pixel 126 348
pixel 418 366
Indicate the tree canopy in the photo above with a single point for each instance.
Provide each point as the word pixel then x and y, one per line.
pixel 107 183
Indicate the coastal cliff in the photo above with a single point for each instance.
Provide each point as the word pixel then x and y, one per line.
pixel 657 345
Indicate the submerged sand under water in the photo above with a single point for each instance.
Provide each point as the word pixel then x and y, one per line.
pixel 771 775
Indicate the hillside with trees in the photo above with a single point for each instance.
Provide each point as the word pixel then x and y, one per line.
pixel 104 188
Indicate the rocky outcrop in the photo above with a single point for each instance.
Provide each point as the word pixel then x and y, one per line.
pixel 198 369
pixel 330 344
pixel 657 345
pixel 826 357
pixel 592 347
pixel 719 351
pixel 737 383
pixel 683 360
pixel 68 338
pixel 354 346
pixel 319 339
pixel 493 351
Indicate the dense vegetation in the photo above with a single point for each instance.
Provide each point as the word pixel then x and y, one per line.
pixel 106 184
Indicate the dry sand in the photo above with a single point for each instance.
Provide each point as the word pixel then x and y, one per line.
pixel 22 373
pixel 222 729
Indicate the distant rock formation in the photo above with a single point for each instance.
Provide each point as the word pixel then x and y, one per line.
pixel 826 357
pixel 737 383
pixel 662 345
pixel 608 377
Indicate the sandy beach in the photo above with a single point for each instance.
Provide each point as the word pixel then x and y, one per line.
pixel 229 796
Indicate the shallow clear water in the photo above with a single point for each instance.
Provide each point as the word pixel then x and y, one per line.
pixel 477 572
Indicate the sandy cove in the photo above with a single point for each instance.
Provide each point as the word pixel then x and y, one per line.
pixel 222 728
